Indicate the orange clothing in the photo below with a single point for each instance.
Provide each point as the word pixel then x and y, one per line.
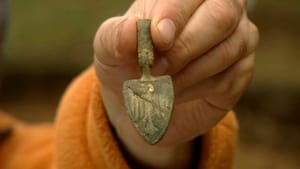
pixel 82 137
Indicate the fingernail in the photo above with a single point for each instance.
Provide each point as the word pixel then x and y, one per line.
pixel 160 66
pixel 167 30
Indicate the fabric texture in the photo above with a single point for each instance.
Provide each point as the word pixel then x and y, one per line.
pixel 83 139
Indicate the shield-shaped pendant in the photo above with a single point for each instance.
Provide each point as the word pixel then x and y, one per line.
pixel 149 100
pixel 149 104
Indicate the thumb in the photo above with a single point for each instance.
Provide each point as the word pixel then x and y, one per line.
pixel 115 41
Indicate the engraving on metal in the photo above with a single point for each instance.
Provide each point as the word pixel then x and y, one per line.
pixel 149 100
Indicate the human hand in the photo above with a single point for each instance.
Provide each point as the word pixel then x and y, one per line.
pixel 206 46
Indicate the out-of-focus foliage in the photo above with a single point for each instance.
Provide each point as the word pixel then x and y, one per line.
pixel 55 35
pixel 278 57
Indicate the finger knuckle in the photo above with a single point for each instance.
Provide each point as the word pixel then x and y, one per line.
pixel 178 12
pixel 233 82
pixel 101 38
pixel 254 29
pixel 235 47
pixel 243 75
pixel 185 46
pixel 180 81
pixel 245 38
pixel 247 68
pixel 180 17
pixel 224 14
pixel 242 48
pixel 106 40
pixel 180 53
pixel 226 54
pixel 254 36
pixel 225 86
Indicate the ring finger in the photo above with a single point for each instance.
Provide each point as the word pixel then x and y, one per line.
pixel 240 44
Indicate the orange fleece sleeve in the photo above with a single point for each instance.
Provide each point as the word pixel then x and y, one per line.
pixel 82 137
pixel 24 146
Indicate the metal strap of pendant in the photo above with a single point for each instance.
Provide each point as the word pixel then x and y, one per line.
pixel 149 100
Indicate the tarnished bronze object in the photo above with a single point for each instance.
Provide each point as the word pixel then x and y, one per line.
pixel 149 100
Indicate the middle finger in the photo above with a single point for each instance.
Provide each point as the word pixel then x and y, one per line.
pixel 213 21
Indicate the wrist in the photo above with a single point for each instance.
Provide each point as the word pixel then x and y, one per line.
pixel 140 154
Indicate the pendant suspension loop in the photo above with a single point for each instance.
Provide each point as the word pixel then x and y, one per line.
pixel 145 47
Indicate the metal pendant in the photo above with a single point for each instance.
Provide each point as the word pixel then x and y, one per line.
pixel 149 100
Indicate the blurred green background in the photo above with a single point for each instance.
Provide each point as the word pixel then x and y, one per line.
pixel 50 42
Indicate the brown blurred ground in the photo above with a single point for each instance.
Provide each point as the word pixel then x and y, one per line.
pixel 49 42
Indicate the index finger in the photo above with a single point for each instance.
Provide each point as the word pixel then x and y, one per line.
pixel 168 18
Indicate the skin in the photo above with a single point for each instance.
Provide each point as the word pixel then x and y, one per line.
pixel 208 49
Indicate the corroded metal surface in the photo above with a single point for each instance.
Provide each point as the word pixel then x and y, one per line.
pixel 149 100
